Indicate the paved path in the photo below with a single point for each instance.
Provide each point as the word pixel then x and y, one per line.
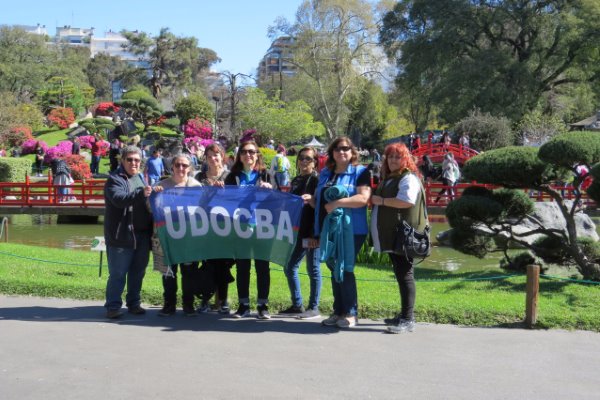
pixel 62 349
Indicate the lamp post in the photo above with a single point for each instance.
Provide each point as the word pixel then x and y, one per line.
pixel 216 98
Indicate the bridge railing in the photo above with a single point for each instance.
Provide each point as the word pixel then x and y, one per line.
pixel 90 193
pixel 436 152
pixel 85 193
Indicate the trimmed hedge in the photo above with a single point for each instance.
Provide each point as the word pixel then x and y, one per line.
pixel 14 169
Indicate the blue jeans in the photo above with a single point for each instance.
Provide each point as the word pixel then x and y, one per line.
pixel 345 297
pixel 126 265
pixel 95 165
pixel 313 268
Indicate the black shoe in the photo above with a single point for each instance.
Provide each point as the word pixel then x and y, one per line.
pixel 392 321
pixel 166 311
pixel 293 310
pixel 189 311
pixel 114 314
pixel 242 311
pixel 136 310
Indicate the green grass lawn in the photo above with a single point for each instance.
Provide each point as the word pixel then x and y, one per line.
pixel 442 297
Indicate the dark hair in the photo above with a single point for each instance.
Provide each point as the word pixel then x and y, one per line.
pixel 238 166
pixel 215 148
pixel 315 157
pixel 330 163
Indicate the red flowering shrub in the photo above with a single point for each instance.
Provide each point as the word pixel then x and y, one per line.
pixel 198 127
pixel 16 136
pixel 106 109
pixel 79 168
pixel 61 117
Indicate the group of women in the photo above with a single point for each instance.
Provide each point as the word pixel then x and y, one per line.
pixel 333 228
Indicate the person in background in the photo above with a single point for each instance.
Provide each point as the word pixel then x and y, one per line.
pixel 304 185
pixel 182 166
pixel 219 269
pixel 398 197
pixel 342 168
pixel 76 146
pixel 127 233
pixel 113 154
pixel 428 170
pixel 249 170
pixel 61 177
pixel 39 154
pixel 155 167
pixel 280 168
pixel 271 145
pixel 450 174
pixel 96 154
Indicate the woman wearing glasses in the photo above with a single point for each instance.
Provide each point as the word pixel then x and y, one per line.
pixel 219 269
pixel 304 184
pixel 181 165
pixel 249 170
pixel 342 168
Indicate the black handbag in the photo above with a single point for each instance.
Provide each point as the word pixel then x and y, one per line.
pixel 410 242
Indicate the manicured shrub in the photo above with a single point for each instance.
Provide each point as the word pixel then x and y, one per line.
pixel 486 131
pixel 79 168
pixel 16 136
pixel 198 127
pixel 61 117
pixel 106 109
pixel 29 145
pixel 14 169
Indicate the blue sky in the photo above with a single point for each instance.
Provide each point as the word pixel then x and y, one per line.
pixel 235 29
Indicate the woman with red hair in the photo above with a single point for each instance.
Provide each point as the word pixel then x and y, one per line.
pixel 399 196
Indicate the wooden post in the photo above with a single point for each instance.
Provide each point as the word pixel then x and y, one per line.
pixel 531 299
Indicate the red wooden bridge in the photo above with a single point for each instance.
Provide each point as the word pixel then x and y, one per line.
pixel 437 151
pixel 86 197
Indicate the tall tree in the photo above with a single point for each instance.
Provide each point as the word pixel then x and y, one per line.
pixel 275 119
pixel 24 61
pixel 334 44
pixel 102 70
pixel 174 61
pixel 499 55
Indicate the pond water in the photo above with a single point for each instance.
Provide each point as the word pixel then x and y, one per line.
pixel 43 230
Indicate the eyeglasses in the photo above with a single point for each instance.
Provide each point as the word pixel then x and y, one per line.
pixel 305 159
pixel 180 165
pixel 339 149
pixel 133 160
pixel 248 152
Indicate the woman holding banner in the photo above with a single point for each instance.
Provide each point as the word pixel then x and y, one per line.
pixel 181 165
pixel 249 170
pixel 343 172
pixel 219 269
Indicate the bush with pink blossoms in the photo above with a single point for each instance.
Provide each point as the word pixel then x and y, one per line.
pixel 198 127
pixel 29 145
pixel 61 150
pixel 86 141
pixel 196 141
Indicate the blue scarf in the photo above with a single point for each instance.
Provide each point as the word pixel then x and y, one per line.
pixel 337 237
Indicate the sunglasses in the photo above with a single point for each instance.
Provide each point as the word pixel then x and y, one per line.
pixel 305 159
pixel 133 160
pixel 248 152
pixel 180 165
pixel 339 149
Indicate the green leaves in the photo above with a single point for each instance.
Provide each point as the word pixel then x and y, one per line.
pixel 572 148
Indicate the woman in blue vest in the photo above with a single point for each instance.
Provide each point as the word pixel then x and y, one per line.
pixel 400 196
pixel 342 169
pixel 249 170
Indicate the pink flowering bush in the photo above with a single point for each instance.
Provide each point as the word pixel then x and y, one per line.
pixel 61 150
pixel 86 141
pixel 198 127
pixel 29 145
pixel 247 135
pixel 191 141
pixel 16 136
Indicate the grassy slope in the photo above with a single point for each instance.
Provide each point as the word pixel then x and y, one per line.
pixel 441 297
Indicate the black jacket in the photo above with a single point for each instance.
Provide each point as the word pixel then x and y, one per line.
pixel 126 210
pixel 305 185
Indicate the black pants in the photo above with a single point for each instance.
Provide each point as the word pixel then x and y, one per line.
pixel 188 285
pixel 263 280
pixel 403 269
pixel 215 277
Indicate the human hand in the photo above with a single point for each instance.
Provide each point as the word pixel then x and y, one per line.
pixel 147 191
pixel 265 185
pixel 307 198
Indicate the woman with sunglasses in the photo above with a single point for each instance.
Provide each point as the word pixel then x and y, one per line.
pixel 181 164
pixel 304 184
pixel 398 197
pixel 342 168
pixel 219 269
pixel 249 170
